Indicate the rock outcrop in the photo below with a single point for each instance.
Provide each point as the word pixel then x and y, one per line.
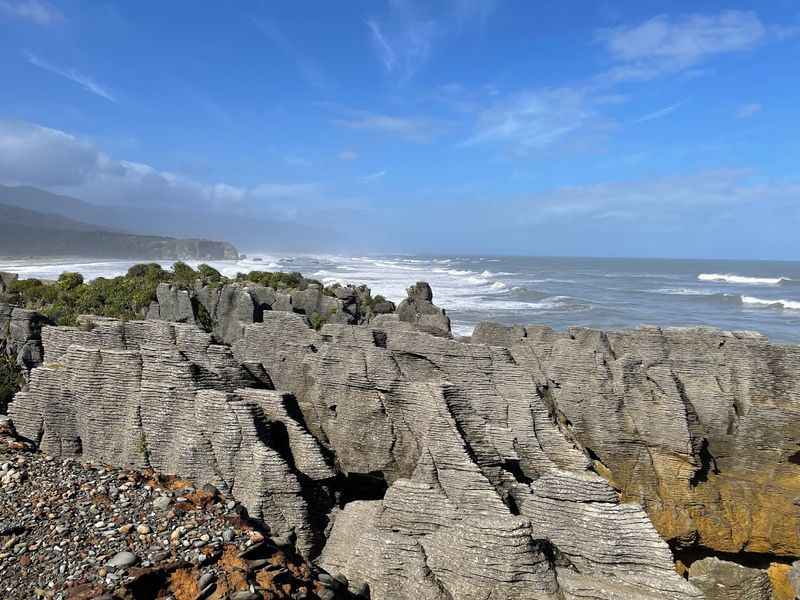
pixel 699 426
pixel 161 395
pixel 721 580
pixel 418 308
pixel 20 335
pixel 226 309
pixel 528 464
pixel 450 479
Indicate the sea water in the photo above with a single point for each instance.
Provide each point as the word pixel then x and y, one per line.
pixel 561 292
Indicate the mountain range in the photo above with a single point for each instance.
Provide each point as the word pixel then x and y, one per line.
pixel 34 222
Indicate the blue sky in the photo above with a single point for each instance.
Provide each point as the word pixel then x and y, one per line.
pixel 587 128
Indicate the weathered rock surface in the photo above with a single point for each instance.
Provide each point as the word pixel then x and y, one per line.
pixel 226 309
pixel 161 395
pixel 419 466
pixel 722 580
pixel 480 476
pixel 699 426
pixel 20 335
pixel 487 497
pixel 418 308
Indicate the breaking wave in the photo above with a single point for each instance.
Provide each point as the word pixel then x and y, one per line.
pixel 742 279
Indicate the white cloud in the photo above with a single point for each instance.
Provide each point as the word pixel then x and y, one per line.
pixel 40 156
pixel 82 80
pixel 404 46
pixel 385 51
pixel 658 198
pixel 745 111
pixel 660 114
pixel 411 128
pixel 348 155
pixel 308 68
pixel 372 176
pixel 665 44
pixel 297 161
pixel 534 119
pixel 38 11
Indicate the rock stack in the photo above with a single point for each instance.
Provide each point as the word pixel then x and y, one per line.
pixel 529 463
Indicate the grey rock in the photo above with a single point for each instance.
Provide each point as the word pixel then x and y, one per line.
pixel 205 580
pixel 419 310
pixel 723 580
pixel 162 503
pixel 122 560
pixel 794 577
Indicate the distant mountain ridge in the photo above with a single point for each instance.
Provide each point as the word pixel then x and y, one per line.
pixel 254 228
pixel 35 223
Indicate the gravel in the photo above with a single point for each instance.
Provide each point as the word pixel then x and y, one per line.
pixel 77 530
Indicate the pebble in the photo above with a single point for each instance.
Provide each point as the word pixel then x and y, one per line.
pixel 143 529
pixel 123 559
pixel 162 503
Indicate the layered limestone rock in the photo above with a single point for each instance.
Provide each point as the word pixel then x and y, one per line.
pixel 226 309
pixel 419 466
pixel 699 426
pixel 20 335
pixel 418 308
pixel 162 395
pixel 723 580
pixel 486 498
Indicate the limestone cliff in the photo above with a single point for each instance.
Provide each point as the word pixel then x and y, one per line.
pixel 528 463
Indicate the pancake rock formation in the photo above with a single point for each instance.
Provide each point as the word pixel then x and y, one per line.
pixel 527 464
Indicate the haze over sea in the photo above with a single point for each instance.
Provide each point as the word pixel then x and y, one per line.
pixel 561 292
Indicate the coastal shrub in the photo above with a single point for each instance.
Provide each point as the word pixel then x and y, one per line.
pixel 209 274
pixel 69 281
pixel 184 275
pixel 277 280
pixel 317 320
pixel 10 380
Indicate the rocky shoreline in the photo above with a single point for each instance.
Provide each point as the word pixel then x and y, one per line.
pixel 519 463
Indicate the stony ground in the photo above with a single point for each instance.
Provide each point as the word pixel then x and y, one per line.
pixel 73 530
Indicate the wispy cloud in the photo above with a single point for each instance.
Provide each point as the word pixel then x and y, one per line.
pixel 661 113
pixel 384 49
pixel 296 161
pixel 654 198
pixel 308 68
pixel 372 176
pixel 348 155
pixel 534 119
pixel 84 81
pixel 664 44
pixel 38 11
pixel 745 111
pixel 411 128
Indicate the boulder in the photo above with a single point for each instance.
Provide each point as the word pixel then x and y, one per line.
pixel 419 310
pixel 724 580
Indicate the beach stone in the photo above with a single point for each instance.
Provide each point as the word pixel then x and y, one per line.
pixel 122 560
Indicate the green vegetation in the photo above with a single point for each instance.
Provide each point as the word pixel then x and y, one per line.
pixel 128 297
pixel 10 380
pixel 277 280
pixel 124 297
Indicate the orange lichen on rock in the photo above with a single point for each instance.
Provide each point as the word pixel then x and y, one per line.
pixel 782 588
pixel 183 584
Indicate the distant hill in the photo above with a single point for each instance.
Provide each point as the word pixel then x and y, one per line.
pixel 252 229
pixel 26 232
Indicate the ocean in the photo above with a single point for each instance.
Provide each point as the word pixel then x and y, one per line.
pixel 561 292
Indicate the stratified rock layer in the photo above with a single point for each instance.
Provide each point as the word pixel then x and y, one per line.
pixel 419 466
pixel 161 395
pixel 476 491
pixel 699 426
